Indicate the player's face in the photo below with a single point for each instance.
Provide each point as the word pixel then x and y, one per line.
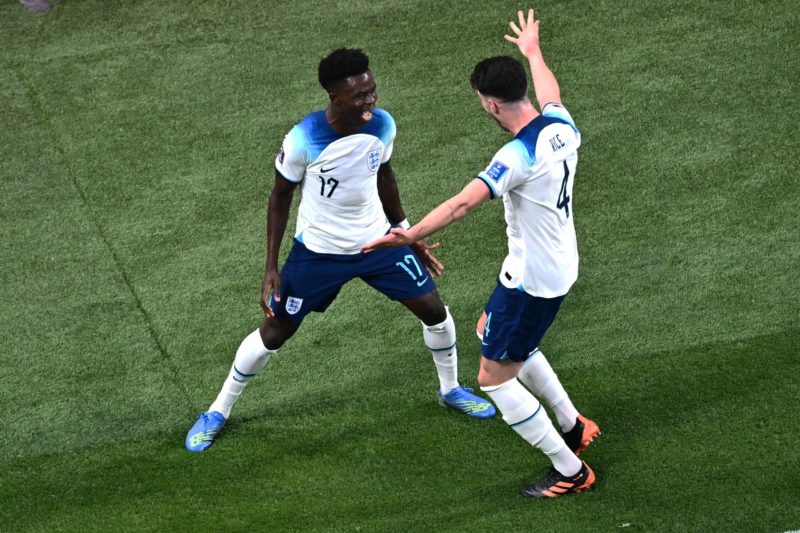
pixel 356 97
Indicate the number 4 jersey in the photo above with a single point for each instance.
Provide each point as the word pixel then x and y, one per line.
pixel 534 174
pixel 340 209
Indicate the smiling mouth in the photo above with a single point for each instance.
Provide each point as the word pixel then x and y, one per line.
pixel 366 115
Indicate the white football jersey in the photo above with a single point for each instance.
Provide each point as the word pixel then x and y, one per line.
pixel 340 210
pixel 534 174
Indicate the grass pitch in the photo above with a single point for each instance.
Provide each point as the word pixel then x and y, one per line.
pixel 137 143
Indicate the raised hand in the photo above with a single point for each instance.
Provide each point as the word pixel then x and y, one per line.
pixel 527 33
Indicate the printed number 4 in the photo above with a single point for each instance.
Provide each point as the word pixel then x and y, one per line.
pixel 331 181
pixel 563 196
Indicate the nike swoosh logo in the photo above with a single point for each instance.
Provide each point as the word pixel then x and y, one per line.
pixel 420 283
pixel 323 170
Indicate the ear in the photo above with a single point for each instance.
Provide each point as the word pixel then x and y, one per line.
pixel 495 109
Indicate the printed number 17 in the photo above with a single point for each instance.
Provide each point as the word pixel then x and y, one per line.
pixel 331 181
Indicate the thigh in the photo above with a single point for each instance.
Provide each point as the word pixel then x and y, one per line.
pixel 429 308
pixel 309 282
pixel 516 323
pixel 536 319
pixel 397 273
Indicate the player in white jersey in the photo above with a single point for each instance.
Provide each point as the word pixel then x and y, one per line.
pixel 340 158
pixel 534 174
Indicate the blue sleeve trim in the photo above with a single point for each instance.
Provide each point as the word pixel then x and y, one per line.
pixel 279 173
pixel 492 193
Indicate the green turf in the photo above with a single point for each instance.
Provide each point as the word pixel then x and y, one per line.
pixel 136 151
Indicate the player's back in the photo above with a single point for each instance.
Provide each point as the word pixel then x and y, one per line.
pixel 536 174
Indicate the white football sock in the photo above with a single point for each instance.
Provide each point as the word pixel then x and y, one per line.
pixel 539 377
pixel 251 357
pixel 523 412
pixel 441 341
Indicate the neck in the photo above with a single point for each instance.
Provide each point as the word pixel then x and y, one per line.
pixel 338 122
pixel 521 117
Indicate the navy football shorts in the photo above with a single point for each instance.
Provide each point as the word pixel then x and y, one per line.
pixel 516 323
pixel 311 281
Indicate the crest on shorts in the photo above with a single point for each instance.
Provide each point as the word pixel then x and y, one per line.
pixel 374 159
pixel 293 305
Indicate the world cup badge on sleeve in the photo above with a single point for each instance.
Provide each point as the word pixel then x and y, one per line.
pixel 293 305
pixel 496 170
pixel 374 159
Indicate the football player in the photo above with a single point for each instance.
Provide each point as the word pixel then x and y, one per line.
pixel 340 159
pixel 534 174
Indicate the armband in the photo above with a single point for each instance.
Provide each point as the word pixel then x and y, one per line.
pixel 404 224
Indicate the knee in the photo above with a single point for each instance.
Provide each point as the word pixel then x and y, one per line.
pixel 273 335
pixel 434 313
pixel 495 373
pixel 484 378
pixel 271 340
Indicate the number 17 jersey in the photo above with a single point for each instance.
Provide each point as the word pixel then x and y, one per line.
pixel 340 210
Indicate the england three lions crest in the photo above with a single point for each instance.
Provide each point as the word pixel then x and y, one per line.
pixel 374 159
pixel 293 305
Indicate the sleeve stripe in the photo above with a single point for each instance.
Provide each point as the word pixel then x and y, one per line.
pixel 492 192
pixel 281 174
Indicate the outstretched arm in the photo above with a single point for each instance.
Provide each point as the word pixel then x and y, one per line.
pixel 527 40
pixel 390 198
pixel 474 194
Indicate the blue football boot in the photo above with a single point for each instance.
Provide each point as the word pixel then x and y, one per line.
pixel 462 399
pixel 204 431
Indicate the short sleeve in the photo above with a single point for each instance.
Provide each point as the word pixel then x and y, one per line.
pixel 292 159
pixel 559 111
pixel 507 169
pixel 387 137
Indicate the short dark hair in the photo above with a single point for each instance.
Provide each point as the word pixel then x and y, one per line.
pixel 340 64
pixel 503 77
